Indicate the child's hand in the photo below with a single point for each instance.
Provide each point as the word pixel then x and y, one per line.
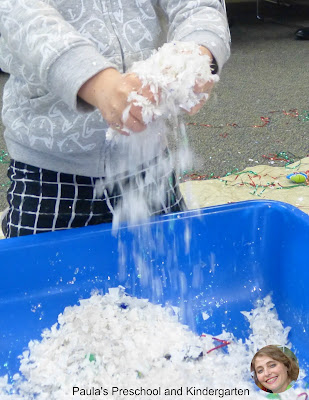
pixel 202 87
pixel 109 91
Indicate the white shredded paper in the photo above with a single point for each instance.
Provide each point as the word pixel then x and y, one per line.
pixel 171 73
pixel 111 344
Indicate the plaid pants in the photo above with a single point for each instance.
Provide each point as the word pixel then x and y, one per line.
pixel 41 200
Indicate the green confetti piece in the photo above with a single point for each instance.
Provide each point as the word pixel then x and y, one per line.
pixel 139 374
pixel 273 396
pixel 91 357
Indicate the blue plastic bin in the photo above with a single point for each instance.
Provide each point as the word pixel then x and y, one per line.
pixel 237 253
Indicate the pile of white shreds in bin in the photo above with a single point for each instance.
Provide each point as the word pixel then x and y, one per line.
pixel 114 346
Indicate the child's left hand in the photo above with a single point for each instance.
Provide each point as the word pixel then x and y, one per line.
pixel 202 87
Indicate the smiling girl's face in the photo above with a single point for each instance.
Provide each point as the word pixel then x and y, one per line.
pixel 272 374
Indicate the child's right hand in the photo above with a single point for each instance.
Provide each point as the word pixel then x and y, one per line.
pixel 108 91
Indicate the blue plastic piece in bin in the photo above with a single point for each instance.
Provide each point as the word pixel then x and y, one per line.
pixel 219 260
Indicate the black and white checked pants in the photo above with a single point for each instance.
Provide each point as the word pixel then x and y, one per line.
pixel 41 200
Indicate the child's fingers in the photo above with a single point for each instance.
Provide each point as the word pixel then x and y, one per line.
pixel 203 87
pixel 119 128
pixel 197 107
pixel 132 119
pixel 152 97
pixel 133 123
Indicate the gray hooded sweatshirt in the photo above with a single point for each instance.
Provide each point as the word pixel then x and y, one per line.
pixel 51 48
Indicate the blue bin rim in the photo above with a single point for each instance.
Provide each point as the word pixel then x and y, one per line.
pixel 68 234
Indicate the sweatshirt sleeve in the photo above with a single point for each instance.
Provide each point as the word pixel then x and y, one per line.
pixel 202 21
pixel 37 36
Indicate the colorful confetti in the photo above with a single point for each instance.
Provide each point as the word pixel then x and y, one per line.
pixel 4 157
pixel 223 343
pixel 293 113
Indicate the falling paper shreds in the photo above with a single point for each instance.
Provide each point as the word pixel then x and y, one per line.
pixel 112 343
pixel 171 74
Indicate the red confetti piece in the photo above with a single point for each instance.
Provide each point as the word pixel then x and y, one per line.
pixel 252 183
pixel 282 156
pixel 223 343
pixel 265 120
pixel 293 113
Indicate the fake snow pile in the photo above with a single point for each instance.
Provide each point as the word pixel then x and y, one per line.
pixel 112 344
